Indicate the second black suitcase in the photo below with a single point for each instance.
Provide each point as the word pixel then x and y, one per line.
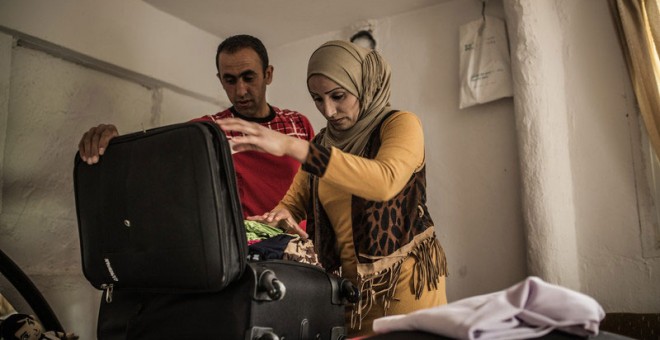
pixel 273 299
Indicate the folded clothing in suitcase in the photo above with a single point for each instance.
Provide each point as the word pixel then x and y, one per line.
pixel 160 212
pixel 273 299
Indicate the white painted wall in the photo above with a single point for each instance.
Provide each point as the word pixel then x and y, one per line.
pixel 125 33
pixel 474 172
pixel 471 154
pixel 51 103
pixel 610 187
pixel 46 103
pixel 538 35
pixel 5 71
pixel 570 75
pixel 578 83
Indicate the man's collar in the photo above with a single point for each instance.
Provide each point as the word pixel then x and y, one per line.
pixel 268 118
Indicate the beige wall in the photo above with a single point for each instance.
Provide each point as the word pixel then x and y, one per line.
pixel 611 188
pixel 471 154
pixel 48 101
pixel 579 221
pixel 128 34
pixel 51 103
pixel 583 173
pixel 478 162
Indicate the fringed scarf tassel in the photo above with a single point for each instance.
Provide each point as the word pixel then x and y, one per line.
pixel 430 265
pixel 381 285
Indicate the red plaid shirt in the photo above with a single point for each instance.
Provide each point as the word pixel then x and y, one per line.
pixel 263 179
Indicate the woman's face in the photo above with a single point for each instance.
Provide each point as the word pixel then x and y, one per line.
pixel 337 105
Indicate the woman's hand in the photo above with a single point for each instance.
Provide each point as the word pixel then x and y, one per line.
pixel 281 218
pixel 260 138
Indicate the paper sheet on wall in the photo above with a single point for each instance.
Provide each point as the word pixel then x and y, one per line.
pixel 485 63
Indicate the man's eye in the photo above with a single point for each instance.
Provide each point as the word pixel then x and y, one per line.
pixel 230 80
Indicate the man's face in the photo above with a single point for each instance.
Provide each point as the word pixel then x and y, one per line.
pixel 242 77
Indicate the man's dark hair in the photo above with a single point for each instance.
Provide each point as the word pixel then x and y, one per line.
pixel 237 42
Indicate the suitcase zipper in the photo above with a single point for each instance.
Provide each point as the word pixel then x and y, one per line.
pixel 107 287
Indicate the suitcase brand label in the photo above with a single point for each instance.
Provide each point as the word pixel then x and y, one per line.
pixel 110 271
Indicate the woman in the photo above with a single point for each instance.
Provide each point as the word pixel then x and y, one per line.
pixel 361 187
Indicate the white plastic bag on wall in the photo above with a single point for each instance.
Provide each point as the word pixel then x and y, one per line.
pixel 485 64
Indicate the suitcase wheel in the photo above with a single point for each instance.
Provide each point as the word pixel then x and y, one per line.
pixel 258 333
pixel 271 285
pixel 349 291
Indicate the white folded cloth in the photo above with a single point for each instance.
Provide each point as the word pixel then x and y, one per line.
pixel 529 309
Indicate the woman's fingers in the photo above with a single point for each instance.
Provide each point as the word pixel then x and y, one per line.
pixel 238 125
pixel 294 228
pixel 254 137
pixel 271 218
pixel 281 219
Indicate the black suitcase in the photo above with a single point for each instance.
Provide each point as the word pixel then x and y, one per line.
pixel 160 212
pixel 273 299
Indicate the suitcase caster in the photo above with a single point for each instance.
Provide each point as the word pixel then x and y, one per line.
pixel 338 333
pixel 273 287
pixel 268 336
pixel 349 291
pixel 259 333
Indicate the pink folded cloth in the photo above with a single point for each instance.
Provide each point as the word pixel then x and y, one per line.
pixel 529 309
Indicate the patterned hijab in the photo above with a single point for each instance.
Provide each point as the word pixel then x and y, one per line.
pixel 363 73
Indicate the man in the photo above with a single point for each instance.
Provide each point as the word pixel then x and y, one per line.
pixel 244 72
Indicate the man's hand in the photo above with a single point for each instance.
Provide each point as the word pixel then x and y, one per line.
pixel 94 142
